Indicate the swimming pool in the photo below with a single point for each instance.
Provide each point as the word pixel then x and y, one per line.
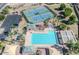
pixel 44 38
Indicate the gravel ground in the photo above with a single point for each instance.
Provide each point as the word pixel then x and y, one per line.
pixel 73 27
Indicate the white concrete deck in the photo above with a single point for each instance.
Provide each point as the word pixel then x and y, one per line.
pixel 28 38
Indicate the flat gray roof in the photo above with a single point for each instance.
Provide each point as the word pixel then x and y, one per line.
pixel 9 21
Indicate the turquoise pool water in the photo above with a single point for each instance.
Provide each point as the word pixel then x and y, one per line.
pixel 47 38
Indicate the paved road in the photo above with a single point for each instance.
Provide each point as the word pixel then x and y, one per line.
pixel 2 6
pixel 76 9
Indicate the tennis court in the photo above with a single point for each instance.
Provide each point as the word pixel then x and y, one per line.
pixel 38 14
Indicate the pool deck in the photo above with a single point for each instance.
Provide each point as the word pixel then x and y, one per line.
pixel 28 38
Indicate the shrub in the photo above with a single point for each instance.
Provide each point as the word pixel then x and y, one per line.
pixel 2 17
pixel 5 11
pixel 1 46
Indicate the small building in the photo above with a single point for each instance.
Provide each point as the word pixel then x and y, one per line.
pixel 9 21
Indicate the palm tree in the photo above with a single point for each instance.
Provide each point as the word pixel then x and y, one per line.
pixel 24 29
pixel 62 26
pixel 73 47
pixel 56 21
pixel 1 45
pixel 76 48
pixel 21 42
pixel 62 6
pixel 46 23
pixel 2 17
pixel 72 19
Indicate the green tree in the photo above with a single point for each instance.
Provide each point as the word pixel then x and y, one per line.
pixel 72 19
pixel 2 17
pixel 62 27
pixel 62 6
pixel 67 12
